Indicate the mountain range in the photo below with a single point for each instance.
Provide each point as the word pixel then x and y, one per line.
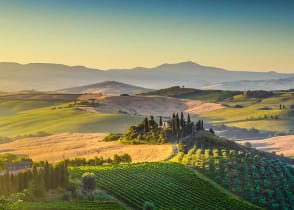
pixel 43 76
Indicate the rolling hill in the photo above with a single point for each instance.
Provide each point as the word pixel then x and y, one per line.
pixel 166 185
pixel 262 178
pixel 272 84
pixel 42 76
pixel 107 87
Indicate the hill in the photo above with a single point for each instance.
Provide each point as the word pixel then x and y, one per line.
pixel 61 118
pixel 42 76
pixel 149 105
pixel 166 185
pixel 192 93
pixel 280 144
pixel 272 84
pixel 108 87
pixel 262 178
pixel 86 145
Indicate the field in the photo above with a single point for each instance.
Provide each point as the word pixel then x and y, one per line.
pixel 167 185
pixel 151 105
pixel 70 205
pixel 12 107
pixel 255 113
pixel 260 179
pixel 70 145
pixel 279 144
pixel 61 118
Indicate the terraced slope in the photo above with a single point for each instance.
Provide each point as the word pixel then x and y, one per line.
pixel 261 178
pixel 70 205
pixel 167 185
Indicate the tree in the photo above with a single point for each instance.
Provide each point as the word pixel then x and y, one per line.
pixel 146 125
pixel 160 121
pixel 189 120
pixel 211 131
pixel 88 182
pixel 116 159
pixel 126 158
pixel 182 122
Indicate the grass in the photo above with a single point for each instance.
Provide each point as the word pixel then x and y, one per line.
pixel 87 145
pixel 12 107
pixel 70 205
pixel 167 185
pixel 253 111
pixel 51 120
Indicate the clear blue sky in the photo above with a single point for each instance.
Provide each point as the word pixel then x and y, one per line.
pixel 237 35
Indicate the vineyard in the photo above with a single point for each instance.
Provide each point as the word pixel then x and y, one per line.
pixel 266 182
pixel 70 205
pixel 166 185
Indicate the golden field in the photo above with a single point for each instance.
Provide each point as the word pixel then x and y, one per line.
pixel 70 145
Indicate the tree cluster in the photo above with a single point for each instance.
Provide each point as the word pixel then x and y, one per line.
pixel 37 180
pixel 258 93
pixel 181 127
pixel 148 131
pixel 117 159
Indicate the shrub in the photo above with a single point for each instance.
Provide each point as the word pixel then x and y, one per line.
pixel 148 206
pixel 113 137
pixel 88 182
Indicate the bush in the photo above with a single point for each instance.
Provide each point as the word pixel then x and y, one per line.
pixel 6 204
pixel 88 182
pixel 148 206
pixel 113 137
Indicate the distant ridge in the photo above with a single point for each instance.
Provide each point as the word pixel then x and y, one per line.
pixel 107 87
pixel 45 77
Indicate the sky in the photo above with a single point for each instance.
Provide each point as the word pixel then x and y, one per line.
pixel 256 35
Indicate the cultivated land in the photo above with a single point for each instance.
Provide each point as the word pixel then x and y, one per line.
pixel 62 118
pixel 30 113
pixel 151 105
pixel 71 145
pixel 167 185
pixel 279 144
pixel 240 110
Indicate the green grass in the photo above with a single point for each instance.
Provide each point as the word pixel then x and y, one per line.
pixel 70 205
pixel 253 111
pixel 63 120
pixel 191 93
pixel 12 107
pixel 167 185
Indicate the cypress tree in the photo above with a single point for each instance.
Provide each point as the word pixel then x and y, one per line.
pixel 160 121
pixel 182 120
pixel 189 119
pixel 173 124
pixel 177 122
pixel 146 125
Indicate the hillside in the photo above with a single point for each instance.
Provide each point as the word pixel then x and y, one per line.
pixel 191 93
pixel 108 87
pixel 262 178
pixel 86 145
pixel 60 118
pixel 262 113
pixel 280 144
pixel 272 84
pixel 42 76
pixel 166 185
pixel 149 105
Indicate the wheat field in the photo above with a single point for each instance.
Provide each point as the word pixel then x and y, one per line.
pixel 70 145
